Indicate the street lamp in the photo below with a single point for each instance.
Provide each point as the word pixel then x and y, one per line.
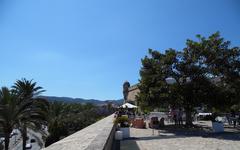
pixel 188 79
pixel 170 80
pixel 183 80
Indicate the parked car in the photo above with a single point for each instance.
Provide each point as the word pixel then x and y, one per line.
pixel 154 123
pixel 14 132
pixel 32 140
pixel 28 146
pixel 2 139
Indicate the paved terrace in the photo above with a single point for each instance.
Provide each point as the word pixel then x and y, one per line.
pixel 182 139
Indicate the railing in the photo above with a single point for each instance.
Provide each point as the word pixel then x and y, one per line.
pixel 98 136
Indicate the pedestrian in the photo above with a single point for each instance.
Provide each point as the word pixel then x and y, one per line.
pixel 174 113
pixel 233 116
pixel 180 114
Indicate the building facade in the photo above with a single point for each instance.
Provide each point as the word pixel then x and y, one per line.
pixel 132 93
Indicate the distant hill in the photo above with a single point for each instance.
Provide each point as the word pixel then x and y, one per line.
pixel 82 101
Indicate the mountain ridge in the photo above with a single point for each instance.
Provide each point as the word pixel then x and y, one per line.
pixel 82 100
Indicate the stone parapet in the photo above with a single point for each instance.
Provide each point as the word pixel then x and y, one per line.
pixel 98 136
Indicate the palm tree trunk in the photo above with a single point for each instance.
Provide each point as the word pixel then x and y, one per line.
pixel 188 117
pixel 6 141
pixel 24 137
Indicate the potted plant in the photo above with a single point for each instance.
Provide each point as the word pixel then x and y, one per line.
pixel 217 124
pixel 123 123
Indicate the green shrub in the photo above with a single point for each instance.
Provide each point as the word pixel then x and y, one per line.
pixel 123 121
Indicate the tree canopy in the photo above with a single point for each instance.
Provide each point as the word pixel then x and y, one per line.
pixel 20 108
pixel 206 72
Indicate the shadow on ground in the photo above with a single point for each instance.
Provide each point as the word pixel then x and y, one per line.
pixel 176 131
pixel 173 131
pixel 130 144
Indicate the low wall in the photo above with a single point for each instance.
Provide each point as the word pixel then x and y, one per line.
pixel 98 136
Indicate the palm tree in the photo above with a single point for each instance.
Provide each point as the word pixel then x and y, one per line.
pixel 8 113
pixel 35 110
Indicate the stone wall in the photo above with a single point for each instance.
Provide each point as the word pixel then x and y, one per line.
pixel 132 92
pixel 98 136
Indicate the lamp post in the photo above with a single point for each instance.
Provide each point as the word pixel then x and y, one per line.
pixel 182 81
pixel 170 80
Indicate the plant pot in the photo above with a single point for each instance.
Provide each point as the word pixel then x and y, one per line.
pixel 217 127
pixel 125 131
pixel 118 135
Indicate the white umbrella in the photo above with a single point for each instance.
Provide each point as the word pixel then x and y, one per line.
pixel 128 105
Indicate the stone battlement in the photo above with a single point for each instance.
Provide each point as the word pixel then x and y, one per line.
pixel 133 87
pixel 132 92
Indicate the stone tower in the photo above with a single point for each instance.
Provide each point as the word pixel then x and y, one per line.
pixel 126 85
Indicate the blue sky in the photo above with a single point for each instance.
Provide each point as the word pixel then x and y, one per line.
pixel 89 48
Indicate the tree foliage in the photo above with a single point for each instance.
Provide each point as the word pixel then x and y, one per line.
pixel 67 118
pixel 36 109
pixel 19 108
pixel 206 72
pixel 9 113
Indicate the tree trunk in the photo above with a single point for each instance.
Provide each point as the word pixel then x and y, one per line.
pixel 188 117
pixel 1 147
pixel 6 141
pixel 24 137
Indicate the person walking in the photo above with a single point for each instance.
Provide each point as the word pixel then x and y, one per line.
pixel 174 113
pixel 233 117
pixel 179 117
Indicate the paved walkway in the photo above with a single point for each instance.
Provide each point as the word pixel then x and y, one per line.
pixel 144 139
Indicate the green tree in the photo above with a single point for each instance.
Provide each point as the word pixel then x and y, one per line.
pixel 194 70
pixel 182 68
pixel 223 63
pixel 8 113
pixel 13 111
pixel 36 109
pixel 56 122
pixel 67 118
pixel 153 87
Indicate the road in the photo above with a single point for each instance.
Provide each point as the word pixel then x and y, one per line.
pixel 16 141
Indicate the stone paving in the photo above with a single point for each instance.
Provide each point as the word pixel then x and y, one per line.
pixel 145 139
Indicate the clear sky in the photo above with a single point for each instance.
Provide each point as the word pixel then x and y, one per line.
pixel 89 48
